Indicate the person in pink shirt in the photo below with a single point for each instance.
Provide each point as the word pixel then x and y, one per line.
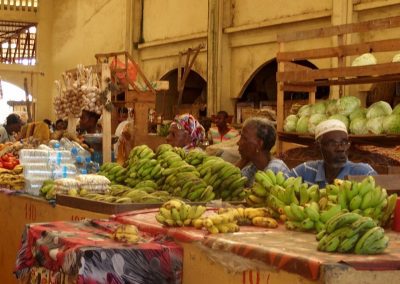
pixel 222 132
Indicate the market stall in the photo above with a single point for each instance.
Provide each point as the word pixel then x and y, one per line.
pixel 363 70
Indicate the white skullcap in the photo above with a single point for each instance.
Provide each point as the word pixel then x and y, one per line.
pixel 329 126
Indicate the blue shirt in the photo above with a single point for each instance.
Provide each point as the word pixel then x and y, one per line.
pixel 313 172
pixel 275 165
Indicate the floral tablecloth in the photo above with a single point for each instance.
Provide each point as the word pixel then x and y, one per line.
pixel 87 251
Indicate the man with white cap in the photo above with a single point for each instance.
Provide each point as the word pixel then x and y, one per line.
pixel 332 139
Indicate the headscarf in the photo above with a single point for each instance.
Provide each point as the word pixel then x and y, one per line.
pixel 329 126
pixel 191 125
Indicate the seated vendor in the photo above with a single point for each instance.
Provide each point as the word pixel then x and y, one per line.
pixel 186 132
pixel 88 122
pixel 222 132
pixel 332 139
pixel 256 141
pixel 11 128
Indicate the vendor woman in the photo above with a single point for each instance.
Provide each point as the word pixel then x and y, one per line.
pixel 12 127
pixel 256 141
pixel 186 132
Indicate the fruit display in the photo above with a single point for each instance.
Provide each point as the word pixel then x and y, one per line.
pixel 127 234
pixel 176 213
pixel 379 118
pixel 260 217
pixel 12 179
pixel 92 183
pixel 48 190
pixel 349 232
pixel 193 176
pixel 8 161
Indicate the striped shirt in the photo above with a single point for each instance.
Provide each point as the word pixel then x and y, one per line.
pixel 313 172
pixel 275 165
pixel 218 138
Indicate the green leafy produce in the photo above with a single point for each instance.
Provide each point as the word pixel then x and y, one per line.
pixel 304 110
pixel 396 109
pixel 347 105
pixel 374 125
pixel 331 107
pixel 314 120
pixel 358 126
pixel 302 124
pixel 318 107
pixel 361 112
pixel 391 124
pixel 377 109
pixel 290 123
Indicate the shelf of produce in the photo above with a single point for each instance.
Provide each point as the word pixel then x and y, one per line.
pixel 261 255
pixel 18 210
pixel 308 139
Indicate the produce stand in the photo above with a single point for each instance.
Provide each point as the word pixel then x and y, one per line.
pixel 292 77
pixel 16 211
pixel 264 255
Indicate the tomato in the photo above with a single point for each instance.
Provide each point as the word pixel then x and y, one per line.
pixel 1 165
pixel 8 165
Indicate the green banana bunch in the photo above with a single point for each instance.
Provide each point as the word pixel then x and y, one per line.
pixel 373 241
pixel 177 213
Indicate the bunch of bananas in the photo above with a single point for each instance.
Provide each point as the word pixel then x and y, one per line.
pixel 175 213
pixel 260 217
pixel 143 192
pixel 140 152
pixel 225 178
pixel 365 198
pixel 141 170
pixel 218 223
pixel 47 190
pixel 12 179
pixel 127 234
pixel 114 172
pixel 304 218
pixel 195 157
pixel 350 232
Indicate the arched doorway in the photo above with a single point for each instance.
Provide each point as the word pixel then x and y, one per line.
pixel 261 85
pixel 194 97
pixel 11 93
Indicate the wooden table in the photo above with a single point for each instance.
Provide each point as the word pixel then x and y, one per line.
pixel 18 210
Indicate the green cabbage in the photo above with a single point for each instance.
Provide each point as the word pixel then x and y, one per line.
pixel 318 107
pixel 342 118
pixel 347 104
pixel 314 120
pixel 290 123
pixel 302 124
pixel 396 109
pixel 331 107
pixel 374 125
pixel 358 126
pixel 380 108
pixel 391 124
pixel 361 112
pixel 304 110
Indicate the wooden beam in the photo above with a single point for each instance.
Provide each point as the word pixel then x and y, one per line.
pixel 380 24
pixel 346 50
pixel 106 121
pixel 356 71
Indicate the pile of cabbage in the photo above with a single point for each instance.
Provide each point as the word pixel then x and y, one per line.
pixel 379 118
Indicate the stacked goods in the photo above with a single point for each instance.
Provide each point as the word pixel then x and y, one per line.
pixel 127 234
pixel 69 186
pixel 93 183
pixel 365 198
pixel 379 118
pixel 175 213
pixel 348 232
pixel 43 164
pixel 79 92
pixel 225 178
pixel 12 179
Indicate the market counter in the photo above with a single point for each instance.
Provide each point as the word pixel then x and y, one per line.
pixel 18 210
pixel 269 256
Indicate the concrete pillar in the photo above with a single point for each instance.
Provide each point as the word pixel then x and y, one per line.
pixel 214 74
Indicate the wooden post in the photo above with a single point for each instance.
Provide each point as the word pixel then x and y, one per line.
pixel 280 102
pixel 105 76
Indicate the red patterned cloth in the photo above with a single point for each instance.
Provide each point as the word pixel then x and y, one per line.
pixel 85 249
pixel 191 125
